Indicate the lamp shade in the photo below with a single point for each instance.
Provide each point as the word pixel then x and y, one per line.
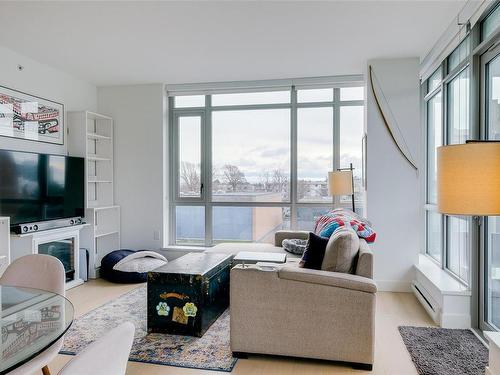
pixel 340 183
pixel 468 179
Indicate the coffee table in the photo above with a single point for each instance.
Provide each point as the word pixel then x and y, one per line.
pixel 187 295
pixel 249 257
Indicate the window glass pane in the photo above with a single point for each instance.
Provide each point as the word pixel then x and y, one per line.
pixel 490 23
pixel 249 98
pixel 248 224
pixel 190 225
pixel 434 140
pixel 493 103
pixel 189 101
pixel 459 54
pixel 315 95
pixel 493 286
pixel 251 155
pixel 306 216
pixel 458 247
pixel 352 93
pixel 458 108
pixel 434 235
pixel 314 153
pixel 189 156
pixel 351 135
pixel 434 80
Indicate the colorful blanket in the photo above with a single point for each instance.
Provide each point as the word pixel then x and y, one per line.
pixel 340 217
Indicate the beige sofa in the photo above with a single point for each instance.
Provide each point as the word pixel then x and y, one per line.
pixel 299 312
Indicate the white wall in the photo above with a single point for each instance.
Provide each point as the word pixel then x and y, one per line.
pixel 46 82
pixel 139 130
pixel 393 194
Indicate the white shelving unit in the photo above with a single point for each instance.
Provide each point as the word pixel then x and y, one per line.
pixel 91 136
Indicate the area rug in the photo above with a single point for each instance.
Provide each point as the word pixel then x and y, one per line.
pixel 440 351
pixel 210 352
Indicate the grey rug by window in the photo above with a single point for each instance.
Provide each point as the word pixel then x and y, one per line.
pixel 440 351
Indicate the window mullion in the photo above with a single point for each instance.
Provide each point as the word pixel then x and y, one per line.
pixel 293 159
pixel 207 155
pixel 336 137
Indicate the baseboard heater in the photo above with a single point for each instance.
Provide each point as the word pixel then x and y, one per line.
pixel 425 299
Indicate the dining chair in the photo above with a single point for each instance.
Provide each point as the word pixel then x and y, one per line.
pixel 44 272
pixel 108 355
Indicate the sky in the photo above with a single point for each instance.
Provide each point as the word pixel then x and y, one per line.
pixel 259 140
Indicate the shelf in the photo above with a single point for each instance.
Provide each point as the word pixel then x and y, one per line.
pixel 97 116
pixel 97 234
pixel 92 157
pixel 99 181
pixel 105 208
pixel 98 136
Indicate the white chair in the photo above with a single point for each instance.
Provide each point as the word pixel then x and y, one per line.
pixel 106 356
pixel 40 272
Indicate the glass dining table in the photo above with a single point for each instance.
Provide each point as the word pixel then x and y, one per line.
pixel 31 320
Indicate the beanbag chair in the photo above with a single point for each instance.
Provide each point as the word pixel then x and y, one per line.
pixel 130 266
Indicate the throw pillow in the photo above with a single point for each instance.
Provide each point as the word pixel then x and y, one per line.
pixel 314 252
pixel 341 251
pixel 294 246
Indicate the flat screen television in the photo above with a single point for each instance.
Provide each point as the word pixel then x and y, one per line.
pixel 40 187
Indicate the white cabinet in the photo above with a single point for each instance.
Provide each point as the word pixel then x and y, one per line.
pixel 91 136
pixel 4 243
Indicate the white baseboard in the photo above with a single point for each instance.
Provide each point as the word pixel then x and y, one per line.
pixel 393 286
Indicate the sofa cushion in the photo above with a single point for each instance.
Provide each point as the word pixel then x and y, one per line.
pixel 341 251
pixel 314 253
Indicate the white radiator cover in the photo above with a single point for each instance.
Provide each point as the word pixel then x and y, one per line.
pixel 446 300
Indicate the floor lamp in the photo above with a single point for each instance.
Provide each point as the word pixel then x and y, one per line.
pixel 468 179
pixel 341 182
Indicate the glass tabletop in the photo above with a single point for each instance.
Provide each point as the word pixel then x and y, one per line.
pixel 31 320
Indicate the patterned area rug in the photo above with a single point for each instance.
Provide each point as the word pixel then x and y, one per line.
pixel 210 352
pixel 440 351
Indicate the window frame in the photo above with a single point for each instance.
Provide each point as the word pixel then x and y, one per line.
pixel 206 198
pixel 447 76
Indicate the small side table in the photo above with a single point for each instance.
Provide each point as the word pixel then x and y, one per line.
pixel 249 257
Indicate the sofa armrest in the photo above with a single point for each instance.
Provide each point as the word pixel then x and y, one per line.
pixel 364 266
pixel 334 279
pixel 281 235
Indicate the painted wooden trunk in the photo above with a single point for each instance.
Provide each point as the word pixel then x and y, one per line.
pixel 187 295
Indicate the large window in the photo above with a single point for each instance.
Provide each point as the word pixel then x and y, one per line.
pixel 249 163
pixel 447 107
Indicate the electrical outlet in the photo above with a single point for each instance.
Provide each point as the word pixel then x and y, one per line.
pixel 156 235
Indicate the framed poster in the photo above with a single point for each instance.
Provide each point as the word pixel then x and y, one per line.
pixel 30 117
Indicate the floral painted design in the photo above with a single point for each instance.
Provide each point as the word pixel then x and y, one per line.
pixel 190 309
pixel 163 309
pixel 210 352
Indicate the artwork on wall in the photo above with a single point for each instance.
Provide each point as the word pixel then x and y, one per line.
pixel 30 117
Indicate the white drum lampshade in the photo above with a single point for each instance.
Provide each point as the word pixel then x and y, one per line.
pixel 340 183
pixel 468 179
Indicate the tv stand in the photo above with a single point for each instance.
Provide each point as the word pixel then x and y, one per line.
pixel 63 243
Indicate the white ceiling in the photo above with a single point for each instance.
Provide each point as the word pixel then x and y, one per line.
pixel 110 43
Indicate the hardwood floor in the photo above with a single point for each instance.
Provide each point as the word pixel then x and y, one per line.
pixel 391 357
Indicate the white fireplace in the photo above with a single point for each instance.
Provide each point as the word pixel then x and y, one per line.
pixel 62 243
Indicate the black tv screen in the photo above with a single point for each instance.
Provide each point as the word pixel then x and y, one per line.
pixel 40 187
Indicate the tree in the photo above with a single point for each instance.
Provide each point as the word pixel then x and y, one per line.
pixel 265 180
pixel 233 176
pixel 280 180
pixel 190 176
